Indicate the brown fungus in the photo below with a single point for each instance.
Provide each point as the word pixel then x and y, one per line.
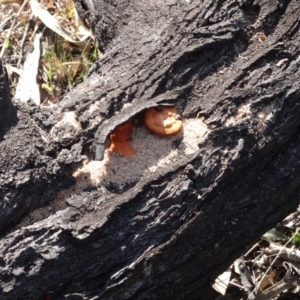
pixel 163 121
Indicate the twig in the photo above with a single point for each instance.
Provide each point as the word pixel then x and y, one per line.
pixel 250 250
pixel 23 40
pixel 10 16
pixel 269 268
pixel 276 289
pixel 238 285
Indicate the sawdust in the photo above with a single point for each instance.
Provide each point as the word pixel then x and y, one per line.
pixel 51 208
pixel 152 153
pixel 242 114
pixel 263 118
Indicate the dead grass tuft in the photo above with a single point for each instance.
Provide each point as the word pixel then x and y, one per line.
pixel 62 65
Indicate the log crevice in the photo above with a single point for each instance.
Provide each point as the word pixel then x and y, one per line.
pixel 171 230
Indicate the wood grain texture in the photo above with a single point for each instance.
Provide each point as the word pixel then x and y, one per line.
pixel 170 233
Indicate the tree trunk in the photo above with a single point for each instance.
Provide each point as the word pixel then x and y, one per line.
pixel 165 222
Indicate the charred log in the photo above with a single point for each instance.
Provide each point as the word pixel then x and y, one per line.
pixel 232 69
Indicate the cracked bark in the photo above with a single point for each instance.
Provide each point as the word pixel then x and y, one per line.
pixel 174 231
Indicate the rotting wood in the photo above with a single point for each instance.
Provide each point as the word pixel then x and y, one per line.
pixel 169 233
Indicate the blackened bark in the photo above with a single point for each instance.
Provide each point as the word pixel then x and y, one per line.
pixel 171 232
pixel 8 114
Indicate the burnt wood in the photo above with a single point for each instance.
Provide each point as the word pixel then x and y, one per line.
pixel 168 235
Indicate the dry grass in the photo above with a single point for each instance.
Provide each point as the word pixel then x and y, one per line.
pixel 62 65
